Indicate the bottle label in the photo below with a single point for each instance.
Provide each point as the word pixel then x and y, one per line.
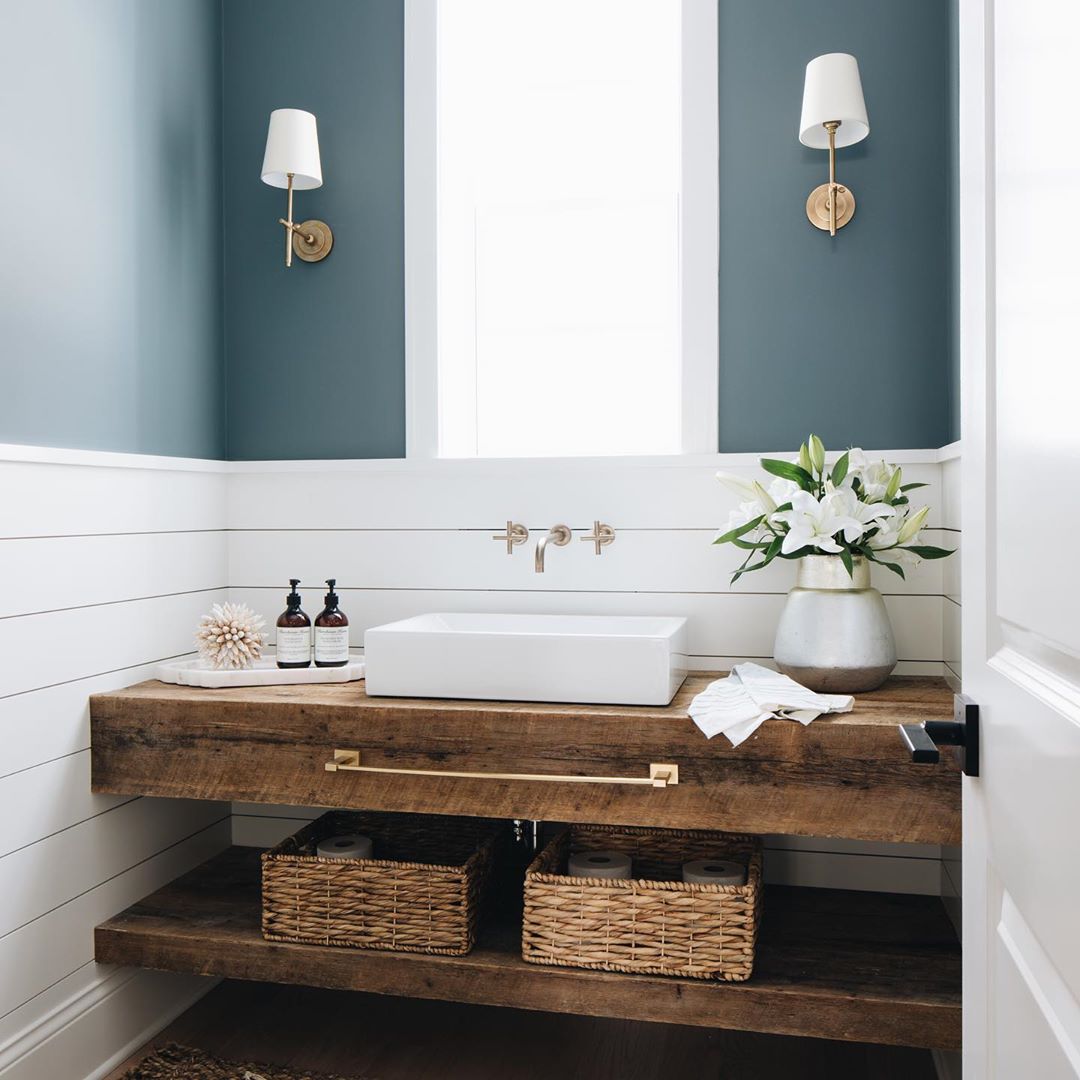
pixel 294 644
pixel 331 644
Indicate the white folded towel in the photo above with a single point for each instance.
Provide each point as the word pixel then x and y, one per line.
pixel 752 694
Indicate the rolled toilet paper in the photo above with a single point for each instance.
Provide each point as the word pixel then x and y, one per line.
pixel 346 846
pixel 713 872
pixel 600 864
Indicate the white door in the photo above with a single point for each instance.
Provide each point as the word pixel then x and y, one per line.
pixel 1020 327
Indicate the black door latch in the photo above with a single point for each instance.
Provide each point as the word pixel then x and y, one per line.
pixel 962 731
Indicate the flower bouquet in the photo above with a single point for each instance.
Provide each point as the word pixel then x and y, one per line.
pixel 857 509
pixel 834 634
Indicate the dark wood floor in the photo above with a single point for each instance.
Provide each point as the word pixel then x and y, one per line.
pixel 382 1038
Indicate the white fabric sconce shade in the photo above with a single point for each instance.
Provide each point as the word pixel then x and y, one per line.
pixel 833 114
pixel 291 161
pixel 833 91
pixel 292 146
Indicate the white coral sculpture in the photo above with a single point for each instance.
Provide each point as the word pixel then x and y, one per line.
pixel 230 637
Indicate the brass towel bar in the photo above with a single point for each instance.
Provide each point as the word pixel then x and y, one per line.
pixel 662 775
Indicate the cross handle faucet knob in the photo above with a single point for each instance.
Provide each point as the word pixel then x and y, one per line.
pixel 515 534
pixel 601 536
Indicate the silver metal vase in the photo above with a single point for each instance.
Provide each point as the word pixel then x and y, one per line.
pixel 834 635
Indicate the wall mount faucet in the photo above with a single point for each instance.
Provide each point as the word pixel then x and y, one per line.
pixel 601 536
pixel 559 535
pixel 515 534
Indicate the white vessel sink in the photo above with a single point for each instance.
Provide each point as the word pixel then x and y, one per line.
pixel 591 659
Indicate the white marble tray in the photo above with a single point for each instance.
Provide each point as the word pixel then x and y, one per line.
pixel 265 672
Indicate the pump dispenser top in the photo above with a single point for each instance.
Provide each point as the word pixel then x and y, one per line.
pixel 293 633
pixel 331 632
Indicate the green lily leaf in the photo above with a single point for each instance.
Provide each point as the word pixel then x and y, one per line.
pixel 740 530
pixel 893 567
pixel 929 552
pixel 912 487
pixel 840 469
pixel 849 566
pixel 786 470
pixel 770 554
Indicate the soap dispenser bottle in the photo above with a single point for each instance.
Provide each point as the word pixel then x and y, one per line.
pixel 331 632
pixel 293 633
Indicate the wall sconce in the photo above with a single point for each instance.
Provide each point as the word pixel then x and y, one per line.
pixel 292 161
pixel 833 114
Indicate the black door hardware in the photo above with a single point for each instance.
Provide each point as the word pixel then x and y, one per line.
pixel 962 731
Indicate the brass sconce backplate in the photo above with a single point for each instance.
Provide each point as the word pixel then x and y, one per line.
pixel 312 240
pixel 817 206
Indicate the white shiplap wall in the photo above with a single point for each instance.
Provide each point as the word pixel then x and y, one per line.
pixel 106 562
pixel 408 537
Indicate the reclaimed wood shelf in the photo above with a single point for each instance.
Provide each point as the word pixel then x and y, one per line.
pixel 844 776
pixel 861 967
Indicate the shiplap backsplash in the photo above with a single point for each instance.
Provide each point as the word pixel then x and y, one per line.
pixel 404 538
pixel 106 561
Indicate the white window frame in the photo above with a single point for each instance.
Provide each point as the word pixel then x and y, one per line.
pixel 699 228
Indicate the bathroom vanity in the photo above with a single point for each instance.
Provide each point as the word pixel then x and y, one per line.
pixel 859 966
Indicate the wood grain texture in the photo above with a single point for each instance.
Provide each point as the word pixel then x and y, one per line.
pixel 368 1036
pixel 863 967
pixel 843 776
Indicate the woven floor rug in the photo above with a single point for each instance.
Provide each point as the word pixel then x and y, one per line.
pixel 174 1062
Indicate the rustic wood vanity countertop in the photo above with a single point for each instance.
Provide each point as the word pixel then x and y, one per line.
pixel 843 776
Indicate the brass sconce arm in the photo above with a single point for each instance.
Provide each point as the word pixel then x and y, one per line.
pixel 830 205
pixel 311 239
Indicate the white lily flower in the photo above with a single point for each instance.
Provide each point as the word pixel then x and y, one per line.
pixel 814 524
pixel 868 515
pixel 903 558
pixel 746 512
pixel 781 490
pixel 744 489
pixel 875 478
pixel 910 529
pixel 898 529
pixel 887 535
pixel 764 498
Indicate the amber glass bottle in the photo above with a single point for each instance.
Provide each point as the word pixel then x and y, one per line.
pixel 293 633
pixel 331 632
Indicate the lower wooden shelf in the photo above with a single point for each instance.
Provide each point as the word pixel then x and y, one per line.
pixel 863 967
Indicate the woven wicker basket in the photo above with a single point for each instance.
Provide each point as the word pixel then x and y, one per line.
pixel 422 892
pixel 653 924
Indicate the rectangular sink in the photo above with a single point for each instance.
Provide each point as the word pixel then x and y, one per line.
pixel 588 659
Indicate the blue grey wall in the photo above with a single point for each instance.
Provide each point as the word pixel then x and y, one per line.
pixel 316 354
pixel 851 336
pixel 121 330
pixel 110 281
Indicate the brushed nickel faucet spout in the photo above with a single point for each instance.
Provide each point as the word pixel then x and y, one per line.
pixel 559 535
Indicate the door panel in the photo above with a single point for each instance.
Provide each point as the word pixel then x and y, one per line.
pixel 1020 340
pixel 1031 1006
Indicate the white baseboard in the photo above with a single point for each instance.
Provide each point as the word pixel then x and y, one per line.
pixel 87 1035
